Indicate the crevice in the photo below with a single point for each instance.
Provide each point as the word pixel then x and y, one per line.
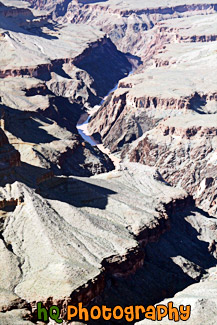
pixel 169 258
pixel 178 259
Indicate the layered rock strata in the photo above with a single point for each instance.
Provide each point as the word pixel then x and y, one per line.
pixel 9 157
pixel 125 237
pixel 46 89
pixel 143 99
pixel 172 51
pixel 184 255
pixel 184 149
pixel 79 235
pixel 128 24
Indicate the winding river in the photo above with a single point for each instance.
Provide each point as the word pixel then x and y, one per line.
pixel 82 127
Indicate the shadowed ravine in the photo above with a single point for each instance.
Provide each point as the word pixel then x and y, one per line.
pixel 178 260
pixel 108 177
pixel 82 127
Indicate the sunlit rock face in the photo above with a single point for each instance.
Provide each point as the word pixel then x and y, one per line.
pixel 137 234
pixel 167 84
pixel 184 150
pixel 169 100
pixel 48 77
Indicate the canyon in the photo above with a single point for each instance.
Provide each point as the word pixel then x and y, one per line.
pixel 108 156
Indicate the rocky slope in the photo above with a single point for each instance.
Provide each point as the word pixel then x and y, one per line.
pixel 201 296
pixel 184 149
pixel 88 249
pixel 47 89
pixel 144 98
pixel 127 23
pixel 78 235
pixel 186 103
pixel 135 235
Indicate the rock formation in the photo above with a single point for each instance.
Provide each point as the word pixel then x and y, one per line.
pixel 73 228
pixel 201 296
pixel 184 150
pixel 9 158
pixel 143 99
pixel 179 110
pixel 79 231
pixel 47 89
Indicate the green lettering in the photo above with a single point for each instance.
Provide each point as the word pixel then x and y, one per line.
pixel 54 314
pixel 42 311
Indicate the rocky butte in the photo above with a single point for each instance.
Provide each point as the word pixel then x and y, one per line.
pixel 74 227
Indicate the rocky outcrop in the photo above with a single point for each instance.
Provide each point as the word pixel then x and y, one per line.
pixel 143 99
pixel 116 123
pixel 59 6
pixel 97 243
pixel 17 14
pixel 92 54
pixel 9 157
pixel 131 21
pixel 184 150
pixel 14 12
pixel 133 235
pixel 42 87
pixel 51 146
pixel 140 102
pixel 202 299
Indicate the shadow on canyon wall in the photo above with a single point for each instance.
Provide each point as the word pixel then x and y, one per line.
pixel 26 125
pixel 76 192
pixel 197 103
pixel 176 261
pixel 24 22
pixel 179 259
pixel 106 65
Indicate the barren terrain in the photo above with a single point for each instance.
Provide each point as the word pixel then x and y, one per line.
pixel 108 156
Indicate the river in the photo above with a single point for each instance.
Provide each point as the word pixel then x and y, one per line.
pixel 82 127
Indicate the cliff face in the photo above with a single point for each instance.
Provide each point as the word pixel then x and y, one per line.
pixel 80 211
pixel 9 157
pixel 45 89
pixel 117 123
pixel 184 150
pixel 144 98
pixel 132 235
pixel 36 125
pixel 128 24
pixel 14 12
pixel 90 57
